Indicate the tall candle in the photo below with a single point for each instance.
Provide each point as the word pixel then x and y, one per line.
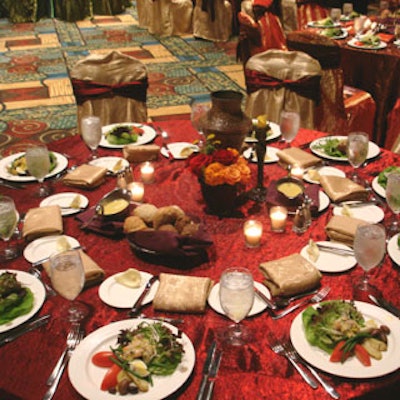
pixel 278 217
pixel 147 172
pixel 137 191
pixel 252 230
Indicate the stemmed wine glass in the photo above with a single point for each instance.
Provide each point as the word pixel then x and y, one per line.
pixel 357 151
pixel 289 125
pixel 236 294
pixel 199 110
pixel 393 200
pixel 91 134
pixel 369 249
pixel 38 164
pixel 68 277
pixel 8 222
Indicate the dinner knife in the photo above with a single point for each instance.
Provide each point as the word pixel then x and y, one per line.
pixel 29 326
pixel 381 302
pixel 265 299
pixel 206 369
pixel 39 262
pixel 11 185
pixel 212 375
pixel 135 310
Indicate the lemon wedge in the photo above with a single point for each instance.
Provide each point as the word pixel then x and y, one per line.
pixel 130 278
pixel 76 202
pixel 117 166
pixel 186 151
pixel 314 175
pixel 62 244
pixel 313 251
pixel 346 211
pixel 262 121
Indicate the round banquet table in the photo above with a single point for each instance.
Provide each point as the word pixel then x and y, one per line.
pixel 251 371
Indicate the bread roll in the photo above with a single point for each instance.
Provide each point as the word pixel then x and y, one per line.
pixel 133 224
pixel 146 212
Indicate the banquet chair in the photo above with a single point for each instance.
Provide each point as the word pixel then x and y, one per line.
pixel 112 86
pixel 212 20
pixel 289 15
pixel 310 10
pixel 109 7
pixel 393 129
pixel 280 79
pixel 342 109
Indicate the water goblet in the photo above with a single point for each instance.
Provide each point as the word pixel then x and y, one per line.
pixel 369 249
pixel 393 201
pixel 91 134
pixel 357 151
pixel 38 165
pixel 289 125
pixel 68 277
pixel 347 9
pixel 236 294
pixel 8 222
pixel 199 111
pixel 336 14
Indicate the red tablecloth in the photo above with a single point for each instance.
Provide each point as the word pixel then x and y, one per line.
pixel 252 371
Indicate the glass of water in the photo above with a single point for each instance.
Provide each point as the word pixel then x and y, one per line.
pixel 8 222
pixel 289 125
pixel 393 201
pixel 38 165
pixel 91 134
pixel 357 151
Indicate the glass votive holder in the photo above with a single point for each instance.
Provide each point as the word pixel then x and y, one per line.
pixel 278 216
pixel 252 230
pixel 136 190
pixel 336 13
pixel 147 172
pixel 297 172
pixel 347 9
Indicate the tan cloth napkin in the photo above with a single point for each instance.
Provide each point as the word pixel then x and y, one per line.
pixel 138 154
pixel 93 273
pixel 296 156
pixel 42 221
pixel 179 293
pixel 341 228
pixel 342 189
pixel 86 176
pixel 290 275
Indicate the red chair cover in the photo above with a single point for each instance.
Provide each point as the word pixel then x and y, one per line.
pixel 309 11
pixel 393 131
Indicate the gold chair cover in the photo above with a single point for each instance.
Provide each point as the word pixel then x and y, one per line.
pixel 282 65
pixel 289 15
pixel 112 68
pixel 212 20
pixel 143 8
pixel 393 131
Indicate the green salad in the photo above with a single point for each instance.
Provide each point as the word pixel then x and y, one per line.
pixel 370 40
pixel 326 22
pixel 382 177
pixel 19 167
pixel 124 134
pixel 332 32
pixel 333 147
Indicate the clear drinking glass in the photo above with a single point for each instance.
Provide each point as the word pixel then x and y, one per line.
pixel 199 110
pixel 67 278
pixel 289 125
pixel 393 201
pixel 357 151
pixel 369 249
pixel 347 9
pixel 336 14
pixel 8 222
pixel 91 134
pixel 236 294
pixel 38 164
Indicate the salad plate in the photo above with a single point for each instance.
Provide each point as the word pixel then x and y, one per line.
pixel 271 156
pixel 45 246
pixel 112 164
pixel 148 135
pixel 368 212
pixel 317 147
pixel 378 188
pixel 39 294
pixel 5 163
pixel 360 45
pixel 86 378
pixel 393 249
pixel 352 368
pixel 177 150
pixel 258 305
pixel 328 261
pixel 118 295
pixel 64 200
pixel 311 175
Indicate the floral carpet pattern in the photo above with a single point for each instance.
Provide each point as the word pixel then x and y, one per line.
pixel 36 97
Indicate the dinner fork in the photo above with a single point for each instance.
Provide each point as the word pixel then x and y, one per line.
pixel 315 299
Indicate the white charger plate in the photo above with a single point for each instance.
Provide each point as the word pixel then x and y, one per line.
pixel 120 296
pixel 393 249
pixel 369 213
pixel 323 171
pixel 39 295
pixel 176 147
pixel 343 35
pixel 64 200
pixel 148 135
pixel 109 163
pixel 352 368
pixel 270 156
pixel 86 378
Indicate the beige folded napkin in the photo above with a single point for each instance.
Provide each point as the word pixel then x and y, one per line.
pixel 296 156
pixel 290 275
pixel 179 293
pixel 138 154
pixel 341 228
pixel 86 176
pixel 342 189
pixel 42 221
pixel 93 273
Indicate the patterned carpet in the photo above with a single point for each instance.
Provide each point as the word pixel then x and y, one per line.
pixel 36 98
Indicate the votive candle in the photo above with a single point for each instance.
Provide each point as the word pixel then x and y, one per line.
pixel 137 191
pixel 278 215
pixel 297 172
pixel 252 230
pixel 147 172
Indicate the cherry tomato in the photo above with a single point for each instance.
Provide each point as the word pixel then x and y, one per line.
pixel 102 359
pixel 362 355
pixel 110 378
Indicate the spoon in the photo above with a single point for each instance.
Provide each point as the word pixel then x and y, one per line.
pixel 282 302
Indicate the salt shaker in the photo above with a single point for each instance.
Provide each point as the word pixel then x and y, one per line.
pixel 307 210
pixel 299 222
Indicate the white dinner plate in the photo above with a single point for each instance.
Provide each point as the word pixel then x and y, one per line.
pixel 373 149
pixel 318 24
pixel 258 305
pixel 379 190
pixel 270 156
pixel 45 246
pixel 369 213
pixel 393 249
pixel 342 35
pixel 356 43
pixel 176 148
pixel 86 378
pixel 148 135
pixel 39 295
pixel 117 295
pixel 62 163
pixel 273 134
pixel 352 368
pixel 331 171
pixel 64 200
pixel 110 162
pixel 331 262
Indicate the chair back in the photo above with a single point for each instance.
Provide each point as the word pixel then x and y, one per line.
pixel 112 86
pixel 310 10
pixel 278 80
